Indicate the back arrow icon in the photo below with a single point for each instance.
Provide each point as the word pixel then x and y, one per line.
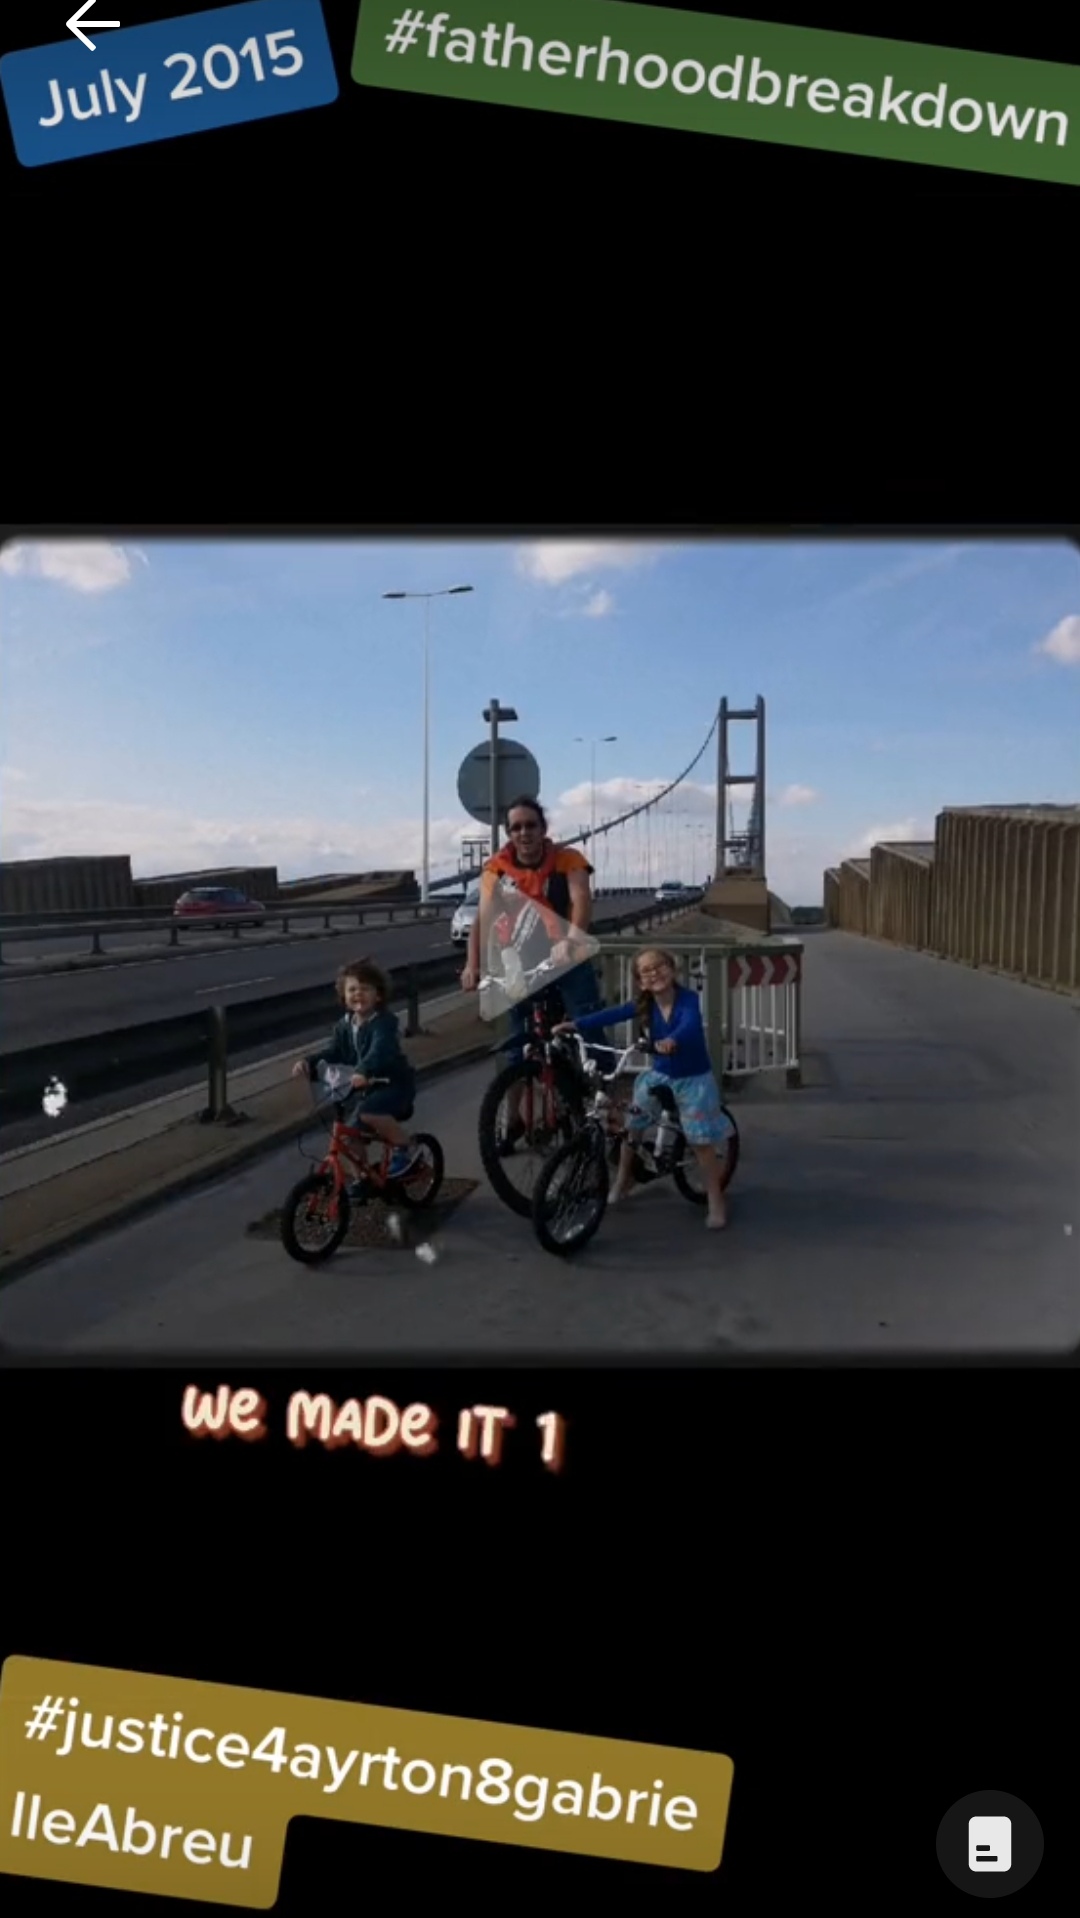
pixel 73 23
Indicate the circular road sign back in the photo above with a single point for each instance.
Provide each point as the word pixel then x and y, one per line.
pixel 517 774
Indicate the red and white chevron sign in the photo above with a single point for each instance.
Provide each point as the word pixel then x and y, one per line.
pixel 759 970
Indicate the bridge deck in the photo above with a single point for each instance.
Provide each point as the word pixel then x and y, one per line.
pixel 918 1195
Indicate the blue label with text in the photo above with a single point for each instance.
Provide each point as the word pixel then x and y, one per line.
pixel 141 84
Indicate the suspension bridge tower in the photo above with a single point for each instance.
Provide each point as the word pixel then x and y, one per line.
pixel 739 891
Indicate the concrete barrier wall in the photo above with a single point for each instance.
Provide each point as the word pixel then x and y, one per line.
pixel 739 901
pixel 360 888
pixel 1007 891
pixel 401 884
pixel 901 888
pixel 66 885
pixel 259 882
pixel 854 892
pixel 1000 888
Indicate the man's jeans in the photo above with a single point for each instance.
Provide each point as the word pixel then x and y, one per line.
pixel 580 994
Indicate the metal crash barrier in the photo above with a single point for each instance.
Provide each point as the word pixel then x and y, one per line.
pixel 751 1002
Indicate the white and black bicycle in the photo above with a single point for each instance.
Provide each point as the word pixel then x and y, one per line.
pixel 570 1195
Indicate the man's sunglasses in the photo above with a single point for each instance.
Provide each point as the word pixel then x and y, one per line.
pixel 526 825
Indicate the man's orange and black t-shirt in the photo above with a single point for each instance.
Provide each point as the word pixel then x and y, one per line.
pixel 545 886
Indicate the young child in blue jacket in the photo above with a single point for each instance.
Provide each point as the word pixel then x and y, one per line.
pixel 368 1038
pixel 670 1014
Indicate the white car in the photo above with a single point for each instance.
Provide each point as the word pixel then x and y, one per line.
pixel 462 923
pixel 670 893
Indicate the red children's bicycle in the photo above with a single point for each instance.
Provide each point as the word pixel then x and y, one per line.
pixel 318 1211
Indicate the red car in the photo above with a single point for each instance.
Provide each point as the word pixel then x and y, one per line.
pixel 219 902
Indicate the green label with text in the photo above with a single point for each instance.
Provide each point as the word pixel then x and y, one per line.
pixel 883 99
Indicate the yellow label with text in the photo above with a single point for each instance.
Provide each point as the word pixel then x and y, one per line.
pixel 170 1785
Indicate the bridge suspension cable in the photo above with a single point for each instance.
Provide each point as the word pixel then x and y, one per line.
pixel 609 825
pixel 581 838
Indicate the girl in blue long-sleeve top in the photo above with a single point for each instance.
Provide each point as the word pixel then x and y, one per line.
pixel 670 1014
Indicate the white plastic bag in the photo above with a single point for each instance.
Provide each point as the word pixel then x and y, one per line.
pixel 336 1079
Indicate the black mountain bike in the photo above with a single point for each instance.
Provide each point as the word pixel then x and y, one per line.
pixel 570 1195
pixel 535 1103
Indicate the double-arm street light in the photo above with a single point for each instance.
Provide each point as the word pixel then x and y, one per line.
pixel 441 593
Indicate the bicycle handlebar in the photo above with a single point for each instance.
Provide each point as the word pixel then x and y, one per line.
pixel 338 1079
pixel 620 1053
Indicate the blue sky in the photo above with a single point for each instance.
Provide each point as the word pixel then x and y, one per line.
pixel 223 702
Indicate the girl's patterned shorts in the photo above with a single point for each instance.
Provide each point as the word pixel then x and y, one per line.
pixel 698 1099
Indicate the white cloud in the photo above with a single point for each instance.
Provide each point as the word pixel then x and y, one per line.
pixel 797 796
pixel 937 560
pixel 554 561
pixel 599 605
pixel 87 566
pixel 587 602
pixel 1063 644
pixel 797 866
pixel 910 831
pixel 163 840
pixel 689 804
pixel 12 773
pixel 616 796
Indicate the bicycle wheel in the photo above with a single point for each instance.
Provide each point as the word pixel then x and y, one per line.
pixel 571 1196
pixel 686 1170
pixel 421 1186
pixel 314 1204
pixel 550 1114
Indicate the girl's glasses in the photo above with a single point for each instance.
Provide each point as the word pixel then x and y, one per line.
pixel 652 972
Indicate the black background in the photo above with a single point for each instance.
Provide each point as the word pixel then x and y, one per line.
pixel 370 144
pixel 852 1583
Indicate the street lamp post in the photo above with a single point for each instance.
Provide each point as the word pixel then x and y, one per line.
pixel 441 593
pixel 494 713
pixel 606 739
pixel 640 787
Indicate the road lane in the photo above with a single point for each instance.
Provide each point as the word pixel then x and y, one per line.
pixel 42 1010
pixel 128 939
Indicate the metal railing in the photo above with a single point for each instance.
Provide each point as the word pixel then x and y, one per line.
pixel 750 993
pixel 78 926
pixel 127 1056
pixel 131 915
pixel 20 928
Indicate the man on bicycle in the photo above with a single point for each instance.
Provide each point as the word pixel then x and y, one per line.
pixel 555 882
